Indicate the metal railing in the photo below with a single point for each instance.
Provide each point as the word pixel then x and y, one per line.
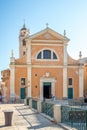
pixel 74 117
pixel 34 104
pixel 47 108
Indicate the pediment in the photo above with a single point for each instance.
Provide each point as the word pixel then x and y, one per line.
pixel 48 34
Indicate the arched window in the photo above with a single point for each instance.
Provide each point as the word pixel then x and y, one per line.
pixel 47 54
pixel 39 56
pixel 24 42
pixel 54 56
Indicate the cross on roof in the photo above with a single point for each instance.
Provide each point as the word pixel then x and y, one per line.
pixel 47 25
pixel 64 32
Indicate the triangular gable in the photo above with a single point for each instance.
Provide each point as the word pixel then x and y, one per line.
pixel 48 34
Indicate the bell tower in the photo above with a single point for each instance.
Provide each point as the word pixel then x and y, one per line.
pixel 24 34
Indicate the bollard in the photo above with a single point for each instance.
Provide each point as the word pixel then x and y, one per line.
pixel 8 117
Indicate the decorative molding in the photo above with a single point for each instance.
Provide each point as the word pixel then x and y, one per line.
pixel 47 74
pixel 50 44
pixel 52 66
pixel 47 36
pixel 51 41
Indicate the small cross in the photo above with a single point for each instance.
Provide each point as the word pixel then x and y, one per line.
pixel 47 25
pixel 64 32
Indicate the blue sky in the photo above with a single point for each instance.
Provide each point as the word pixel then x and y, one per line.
pixel 70 15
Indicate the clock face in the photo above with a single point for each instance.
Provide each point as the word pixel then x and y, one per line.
pixel 47 36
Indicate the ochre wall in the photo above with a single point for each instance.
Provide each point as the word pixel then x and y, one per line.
pixel 20 72
pixel 85 80
pixel 37 73
pixel 74 74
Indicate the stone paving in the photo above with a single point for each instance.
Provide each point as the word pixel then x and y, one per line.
pixel 24 118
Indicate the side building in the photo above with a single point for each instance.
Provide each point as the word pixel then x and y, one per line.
pixel 44 68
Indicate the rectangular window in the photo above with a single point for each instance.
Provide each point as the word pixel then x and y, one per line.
pixel 24 53
pixel 22 81
pixel 69 81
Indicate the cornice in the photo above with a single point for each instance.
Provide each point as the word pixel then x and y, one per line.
pixel 50 44
pixel 51 41
pixel 53 66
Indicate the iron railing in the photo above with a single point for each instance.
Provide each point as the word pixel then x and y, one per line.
pixel 47 108
pixel 74 117
pixel 34 104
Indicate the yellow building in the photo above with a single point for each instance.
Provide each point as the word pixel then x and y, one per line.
pixel 44 67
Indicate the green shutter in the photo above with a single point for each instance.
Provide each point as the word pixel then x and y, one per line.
pixel 70 93
pixel 22 93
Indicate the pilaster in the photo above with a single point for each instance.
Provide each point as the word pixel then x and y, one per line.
pixel 29 67
pixel 12 80
pixel 29 81
pixel 29 52
pixel 81 81
pixel 65 82
pixel 65 54
pixel 65 72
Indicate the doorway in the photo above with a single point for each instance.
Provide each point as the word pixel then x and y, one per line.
pixel 47 90
pixel 22 93
pixel 70 93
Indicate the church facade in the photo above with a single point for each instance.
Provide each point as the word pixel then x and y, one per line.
pixel 44 68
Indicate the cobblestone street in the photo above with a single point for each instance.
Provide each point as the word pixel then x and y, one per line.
pixel 24 118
